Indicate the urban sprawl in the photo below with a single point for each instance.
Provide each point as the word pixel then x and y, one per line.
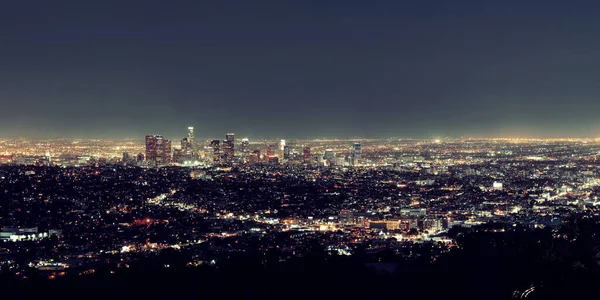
pixel 74 206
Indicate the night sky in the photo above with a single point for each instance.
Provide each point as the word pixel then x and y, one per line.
pixel 299 69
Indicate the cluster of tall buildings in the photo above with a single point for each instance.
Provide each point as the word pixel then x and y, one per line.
pixel 160 152
pixel 158 149
pixel 223 152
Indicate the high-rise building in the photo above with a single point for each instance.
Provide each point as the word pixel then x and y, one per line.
pixel 357 153
pixel 307 154
pixel 190 136
pixel 229 148
pixel 165 153
pixel 185 145
pixel 216 147
pixel 188 152
pixel 150 148
pixel 329 156
pixel 280 148
pixel 245 149
pixel 158 149
pixel 270 150
pixel 286 152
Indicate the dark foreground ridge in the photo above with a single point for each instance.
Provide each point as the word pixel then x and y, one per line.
pixel 515 264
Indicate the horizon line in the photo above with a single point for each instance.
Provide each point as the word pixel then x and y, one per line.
pixel 318 138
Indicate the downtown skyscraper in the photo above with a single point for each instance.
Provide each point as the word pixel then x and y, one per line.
pixel 229 148
pixel 158 149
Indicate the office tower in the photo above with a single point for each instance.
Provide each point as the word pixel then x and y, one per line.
pixel 281 145
pixel 270 150
pixel 150 148
pixel 48 158
pixel 245 149
pixel 216 147
pixel 158 149
pixel 307 154
pixel 229 148
pixel 286 152
pixel 329 154
pixel 357 153
pixel 188 152
pixel 161 150
pixel 329 157
pixel 165 156
pixel 190 136
pixel 140 157
pixel 185 145
pixel 125 157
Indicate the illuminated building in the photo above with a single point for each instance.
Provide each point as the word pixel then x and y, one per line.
pixel 150 148
pixel 329 155
pixel 190 136
pixel 281 148
pixel 245 148
pixel 140 157
pixel 165 156
pixel 273 160
pixel 158 149
pixel 357 153
pixel 185 145
pixel 270 150
pixel 281 145
pixel 216 148
pixel 385 224
pixel 345 216
pixel 286 152
pixel 229 148
pixel 497 186
pixel 307 154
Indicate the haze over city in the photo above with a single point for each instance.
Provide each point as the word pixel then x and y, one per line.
pixel 303 69
pixel 314 149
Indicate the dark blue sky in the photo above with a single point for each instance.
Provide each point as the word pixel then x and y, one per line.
pixel 299 68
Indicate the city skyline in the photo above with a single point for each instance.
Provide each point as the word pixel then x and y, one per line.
pixel 307 149
pixel 310 69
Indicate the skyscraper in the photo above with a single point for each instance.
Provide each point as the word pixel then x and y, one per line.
pixel 188 149
pixel 357 153
pixel 270 150
pixel 151 148
pixel 158 149
pixel 229 148
pixel 190 134
pixel 307 154
pixel 286 152
pixel 164 151
pixel 245 149
pixel 280 149
pixel 216 147
pixel 329 154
